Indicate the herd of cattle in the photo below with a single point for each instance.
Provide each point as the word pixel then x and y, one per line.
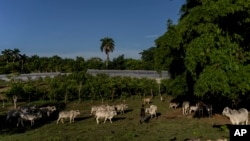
pixel 236 117
pixel 107 112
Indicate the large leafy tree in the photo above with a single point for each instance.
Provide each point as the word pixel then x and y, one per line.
pixel 208 52
pixel 107 46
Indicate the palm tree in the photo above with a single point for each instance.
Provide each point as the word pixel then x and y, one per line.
pixel 7 53
pixel 107 46
pixel 23 59
pixel 15 54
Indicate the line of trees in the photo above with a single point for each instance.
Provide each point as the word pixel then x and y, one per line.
pixel 82 86
pixel 13 61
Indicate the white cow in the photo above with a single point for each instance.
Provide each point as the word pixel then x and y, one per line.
pixel 173 105
pixel 147 100
pixel 185 107
pixel 105 114
pixel 121 108
pixel 97 108
pixel 151 110
pixel 68 114
pixel 236 116
pixel 47 110
pixel 193 108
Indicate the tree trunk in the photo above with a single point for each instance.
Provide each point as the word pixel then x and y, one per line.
pixel 113 93
pixel 14 100
pixel 66 97
pixel 79 92
pixel 107 60
pixel 152 95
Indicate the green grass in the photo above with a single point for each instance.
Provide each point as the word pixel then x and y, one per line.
pixel 170 124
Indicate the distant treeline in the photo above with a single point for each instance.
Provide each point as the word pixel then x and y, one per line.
pixel 13 61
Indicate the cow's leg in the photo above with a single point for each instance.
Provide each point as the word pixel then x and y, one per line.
pixel 19 120
pixel 22 122
pixel 110 119
pixel 57 120
pixel 97 121
pixel 105 119
pixel 31 122
pixel 70 119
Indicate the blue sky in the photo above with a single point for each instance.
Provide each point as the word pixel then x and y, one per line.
pixel 70 28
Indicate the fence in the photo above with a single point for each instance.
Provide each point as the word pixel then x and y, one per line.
pixel 131 73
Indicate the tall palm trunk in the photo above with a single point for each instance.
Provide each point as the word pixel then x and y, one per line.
pixel 107 60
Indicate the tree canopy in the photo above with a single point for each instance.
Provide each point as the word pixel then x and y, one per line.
pixel 107 46
pixel 208 51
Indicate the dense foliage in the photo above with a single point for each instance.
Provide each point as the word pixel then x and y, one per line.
pixel 208 52
pixel 82 86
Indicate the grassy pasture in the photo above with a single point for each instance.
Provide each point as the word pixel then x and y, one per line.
pixel 170 124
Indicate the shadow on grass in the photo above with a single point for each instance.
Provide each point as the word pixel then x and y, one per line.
pixel 118 118
pixel 128 110
pixel 83 118
pixel 10 127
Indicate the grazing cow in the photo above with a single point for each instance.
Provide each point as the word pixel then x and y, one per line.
pixel 106 115
pixel 110 108
pixel 28 117
pixel 47 110
pixel 193 108
pixel 209 109
pixel 97 108
pixel 151 110
pixel 173 105
pixel 121 108
pixel 147 100
pixel 236 116
pixel 185 107
pixel 68 114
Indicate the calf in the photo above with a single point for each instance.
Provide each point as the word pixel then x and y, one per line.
pixel 68 114
pixel 236 116
pixel 106 115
